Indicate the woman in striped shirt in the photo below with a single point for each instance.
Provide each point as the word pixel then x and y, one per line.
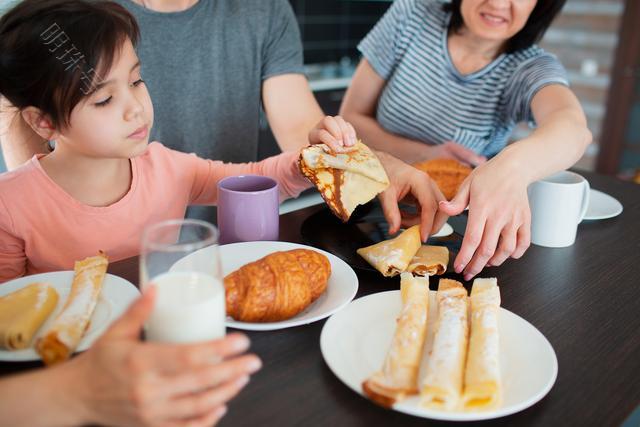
pixel 452 80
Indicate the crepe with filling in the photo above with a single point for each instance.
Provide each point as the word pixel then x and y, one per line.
pixel 398 377
pixel 23 312
pixel 442 385
pixel 61 339
pixel 429 261
pixel 391 257
pixel 482 386
pixel 345 180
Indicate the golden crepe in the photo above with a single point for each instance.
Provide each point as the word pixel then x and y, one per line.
pixel 345 180
pixel 429 261
pixel 23 312
pixel 482 388
pixel 442 384
pixel 391 257
pixel 447 173
pixel 62 337
pixel 399 375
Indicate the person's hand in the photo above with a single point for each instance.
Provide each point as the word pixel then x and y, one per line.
pixel 411 186
pixel 499 222
pixel 339 135
pixel 123 381
pixel 453 150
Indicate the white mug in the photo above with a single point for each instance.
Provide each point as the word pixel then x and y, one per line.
pixel 558 204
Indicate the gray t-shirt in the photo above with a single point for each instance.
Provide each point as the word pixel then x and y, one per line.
pixel 204 69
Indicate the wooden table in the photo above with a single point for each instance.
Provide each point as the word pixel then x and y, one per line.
pixel 585 299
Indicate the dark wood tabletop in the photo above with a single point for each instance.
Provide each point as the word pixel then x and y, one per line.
pixel 585 299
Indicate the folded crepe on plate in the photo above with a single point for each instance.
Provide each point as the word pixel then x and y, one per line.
pixel 442 385
pixel 23 312
pixel 447 173
pixel 482 388
pixel 398 377
pixel 392 257
pixel 345 180
pixel 429 261
pixel 61 339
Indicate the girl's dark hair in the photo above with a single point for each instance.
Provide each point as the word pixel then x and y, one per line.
pixel 540 19
pixel 53 52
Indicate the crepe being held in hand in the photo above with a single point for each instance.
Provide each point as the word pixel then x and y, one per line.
pixel 23 312
pixel 482 387
pixel 399 374
pixel 392 257
pixel 345 180
pixel 63 336
pixel 429 261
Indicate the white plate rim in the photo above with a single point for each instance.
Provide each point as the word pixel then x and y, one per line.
pixel 116 287
pixel 610 199
pixel 442 415
pixel 294 321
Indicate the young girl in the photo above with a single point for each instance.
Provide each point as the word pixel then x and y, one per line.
pixel 70 67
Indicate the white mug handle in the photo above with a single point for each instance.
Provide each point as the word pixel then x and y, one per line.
pixel 585 201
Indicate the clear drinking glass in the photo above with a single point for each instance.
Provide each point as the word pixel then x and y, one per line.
pixel 181 258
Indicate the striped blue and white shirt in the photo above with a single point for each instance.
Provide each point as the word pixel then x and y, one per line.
pixel 425 97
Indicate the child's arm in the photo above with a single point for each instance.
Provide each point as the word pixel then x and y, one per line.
pixel 13 259
pixel 283 168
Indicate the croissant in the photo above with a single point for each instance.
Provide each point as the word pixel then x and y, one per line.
pixel 276 287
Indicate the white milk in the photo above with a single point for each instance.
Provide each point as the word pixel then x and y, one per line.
pixel 190 307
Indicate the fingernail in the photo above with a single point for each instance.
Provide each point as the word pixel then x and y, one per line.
pixel 242 381
pixel 240 343
pixel 254 365
pixel 222 411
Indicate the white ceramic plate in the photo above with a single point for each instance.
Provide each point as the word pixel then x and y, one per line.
pixel 341 288
pixel 602 206
pixel 446 230
pixel 354 343
pixel 116 295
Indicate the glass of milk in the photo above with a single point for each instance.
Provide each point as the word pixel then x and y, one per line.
pixel 181 258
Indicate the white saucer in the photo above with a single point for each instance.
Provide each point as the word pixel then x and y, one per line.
pixel 602 206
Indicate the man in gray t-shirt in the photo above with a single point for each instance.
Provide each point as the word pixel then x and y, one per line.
pixel 205 68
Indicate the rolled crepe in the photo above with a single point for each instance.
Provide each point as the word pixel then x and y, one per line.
pixel 392 257
pixel 399 375
pixel 482 388
pixel 429 261
pixel 345 180
pixel 23 312
pixel 442 385
pixel 62 338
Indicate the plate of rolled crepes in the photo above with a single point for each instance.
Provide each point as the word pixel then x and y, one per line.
pixel 276 285
pixel 50 316
pixel 442 355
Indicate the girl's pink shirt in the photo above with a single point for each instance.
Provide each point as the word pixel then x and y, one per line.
pixel 43 228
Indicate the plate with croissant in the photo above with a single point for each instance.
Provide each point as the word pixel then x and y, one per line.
pixel 275 285
pixel 442 354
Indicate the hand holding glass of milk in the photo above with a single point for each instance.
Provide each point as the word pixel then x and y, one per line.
pixel 181 258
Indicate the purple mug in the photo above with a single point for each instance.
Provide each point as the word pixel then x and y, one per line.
pixel 248 209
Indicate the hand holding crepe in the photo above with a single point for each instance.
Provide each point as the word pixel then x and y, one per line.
pixel 399 375
pixel 62 337
pixel 276 287
pixel 392 257
pixel 345 180
pixel 23 312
